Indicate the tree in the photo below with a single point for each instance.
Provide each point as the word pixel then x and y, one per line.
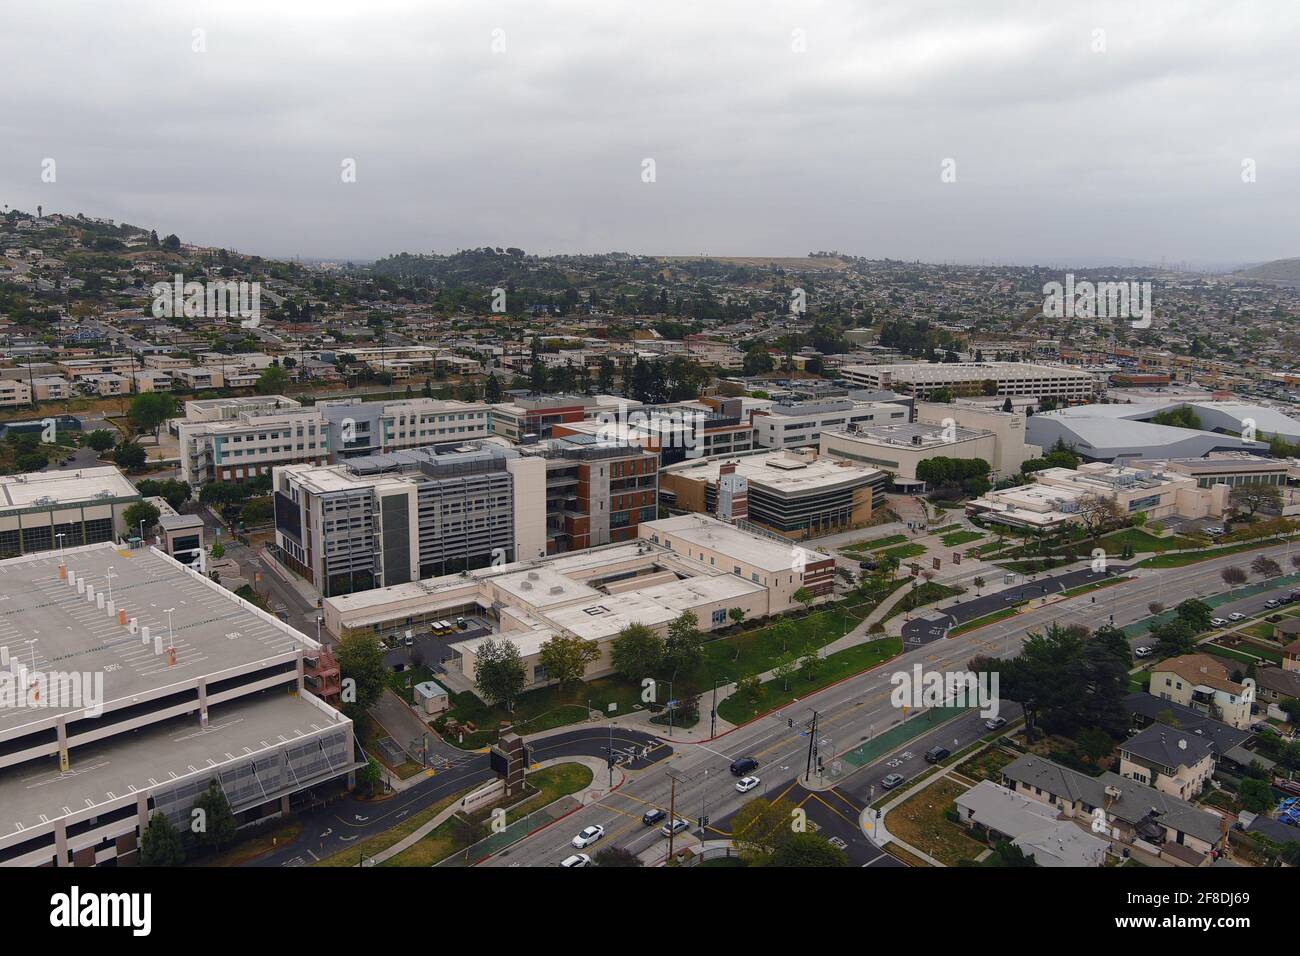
pixel 637 652
pixel 1234 577
pixel 149 411
pixel 222 493
pixel 1266 567
pixel 160 844
pixel 1007 406
pixel 760 827
pixel 1008 854
pixel 1095 743
pixel 492 389
pixel 750 688
pixel 979 582
pixel 499 671
pixel 759 361
pixel 736 614
pixel 804 597
pixel 215 825
pixel 787 666
pixel 257 511
pixel 217 551
pixel 1155 608
pixel 1255 795
pixel 141 511
pixel 101 440
pixel 1195 613
pixel 565 658
pixel 369 777
pixel 682 648
pixel 273 380
pixel 175 493
pixel 129 455
pixel 808 849
pixel 31 461
pixel 1254 497
pixel 362 662
pixel 1097 513
pixel 616 856
pixel 1175 637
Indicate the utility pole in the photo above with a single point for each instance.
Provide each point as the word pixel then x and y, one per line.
pixel 673 775
pixel 812 745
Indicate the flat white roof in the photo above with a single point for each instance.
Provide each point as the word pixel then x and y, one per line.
pixel 780 470
pixel 64 487
pixel 714 535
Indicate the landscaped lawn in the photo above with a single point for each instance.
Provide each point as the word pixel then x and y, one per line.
pixel 873 544
pixel 1193 557
pixel 725 658
pixel 836 667
pixel 457 833
pixel 977 622
pixel 903 551
pixel 919 821
pixel 1142 541
pixel 382 841
pixel 956 538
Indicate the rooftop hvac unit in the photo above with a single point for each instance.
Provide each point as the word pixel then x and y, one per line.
pixel 557 589
pixel 916 439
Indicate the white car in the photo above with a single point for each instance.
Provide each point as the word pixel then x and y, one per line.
pixel 746 784
pixel 677 826
pixel 995 723
pixel 1218 622
pixel 1236 616
pixel 578 859
pixel 1143 651
pixel 588 836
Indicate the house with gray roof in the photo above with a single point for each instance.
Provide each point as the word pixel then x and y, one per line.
pixel 1034 827
pixel 1158 823
pixel 1170 759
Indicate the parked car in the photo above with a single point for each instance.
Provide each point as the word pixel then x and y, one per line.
pixel 578 859
pixel 1218 622
pixel 1214 529
pixel 995 723
pixel 935 754
pixel 1142 651
pixel 651 817
pixel 677 826
pixel 588 836
pixel 743 765
pixel 867 565
pixel 1272 603
pixel 1236 616
pixel 892 780
pixel 746 784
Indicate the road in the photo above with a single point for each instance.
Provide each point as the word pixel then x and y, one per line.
pixel 347 821
pixel 851 712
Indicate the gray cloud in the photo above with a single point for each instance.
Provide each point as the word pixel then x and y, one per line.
pixel 1061 153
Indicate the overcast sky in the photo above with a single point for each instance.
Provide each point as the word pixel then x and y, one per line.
pixel 775 128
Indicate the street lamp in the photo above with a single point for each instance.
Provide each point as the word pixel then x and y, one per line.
pixel 109 578
pixel 59 537
pixel 713 716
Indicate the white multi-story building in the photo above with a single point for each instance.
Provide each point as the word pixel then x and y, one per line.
pixel 922 379
pixel 801 425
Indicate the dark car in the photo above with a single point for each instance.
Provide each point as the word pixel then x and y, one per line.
pixel 651 817
pixel 935 754
pixel 867 565
pixel 743 766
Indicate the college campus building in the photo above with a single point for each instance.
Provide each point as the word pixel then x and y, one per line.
pixel 1055 497
pixel 162 702
pixel 1110 432
pixel 792 493
pixel 394 517
pixel 802 424
pixel 691 563
pixel 922 379
pixel 238 439
pixel 52 509
pixel 383 519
